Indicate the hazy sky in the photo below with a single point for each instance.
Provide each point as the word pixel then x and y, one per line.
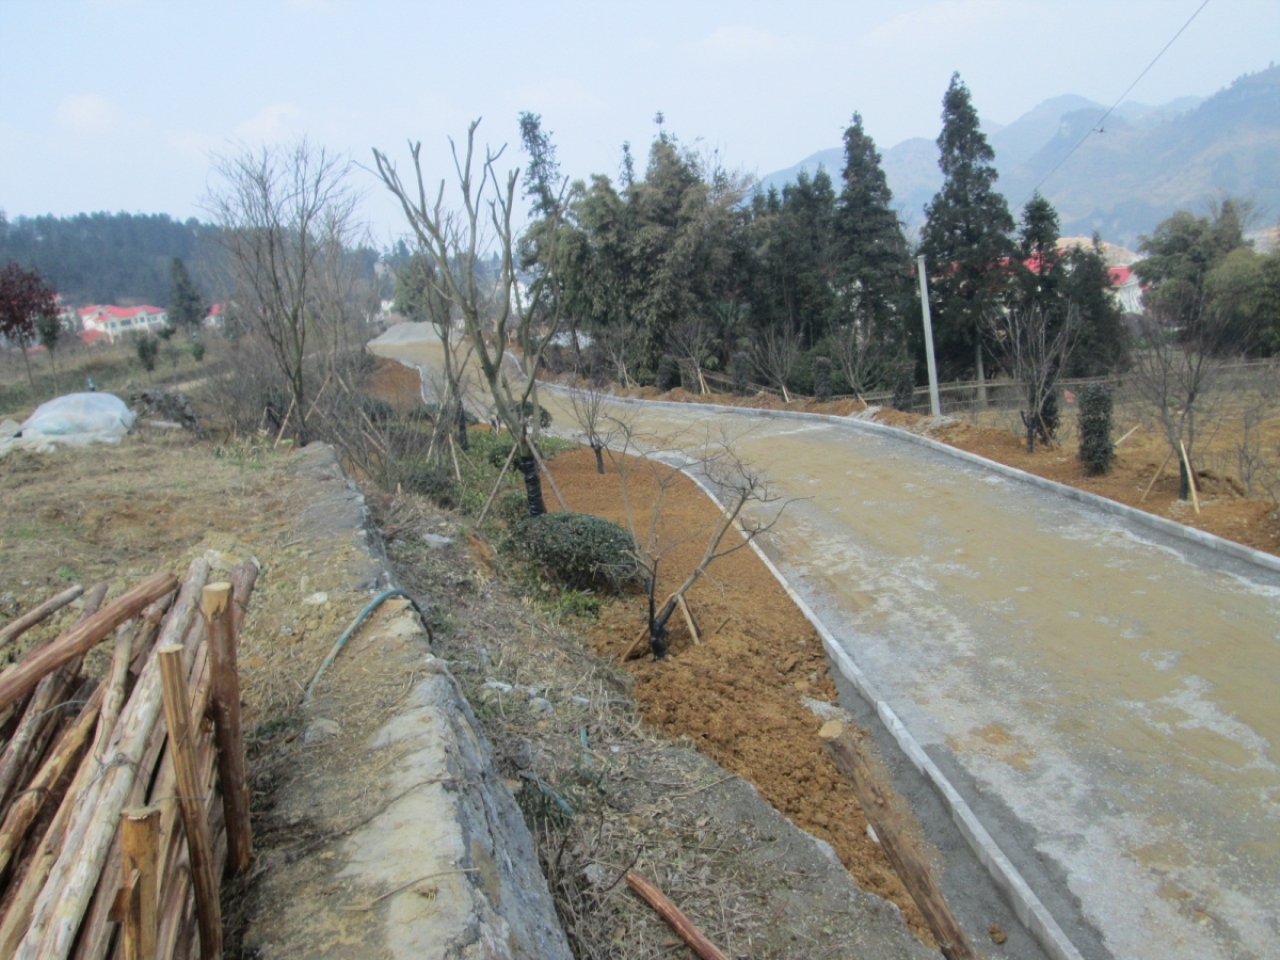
pixel 117 104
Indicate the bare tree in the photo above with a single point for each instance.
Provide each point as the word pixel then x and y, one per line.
pixel 1175 369
pixel 287 216
pixel 867 364
pixel 777 354
pixel 714 458
pixel 1035 347
pixel 493 310
pixel 588 404
pixel 690 340
pixel 623 346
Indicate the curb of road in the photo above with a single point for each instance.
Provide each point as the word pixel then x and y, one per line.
pixel 1028 907
pixel 1171 528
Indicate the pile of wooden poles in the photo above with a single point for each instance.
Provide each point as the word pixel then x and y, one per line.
pixel 124 801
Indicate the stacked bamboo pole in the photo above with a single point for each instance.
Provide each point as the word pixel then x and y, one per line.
pixel 119 801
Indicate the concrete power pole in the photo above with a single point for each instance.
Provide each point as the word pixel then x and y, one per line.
pixel 934 405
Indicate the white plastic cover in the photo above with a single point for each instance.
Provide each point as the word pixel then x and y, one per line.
pixel 75 420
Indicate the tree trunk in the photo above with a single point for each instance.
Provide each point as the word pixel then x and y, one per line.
pixel 599 449
pixel 982 378
pixel 27 360
pixel 532 485
pixel 463 440
pixel 1184 481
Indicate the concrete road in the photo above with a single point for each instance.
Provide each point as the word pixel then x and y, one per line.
pixel 1109 694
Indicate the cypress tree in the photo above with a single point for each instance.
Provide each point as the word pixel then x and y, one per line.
pixel 966 236
pixel 186 307
pixel 1096 448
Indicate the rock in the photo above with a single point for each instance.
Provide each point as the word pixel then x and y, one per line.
pixel 320 729
pixel 596 875
pixel 435 541
pixel 541 707
pixel 316 599
pixel 169 405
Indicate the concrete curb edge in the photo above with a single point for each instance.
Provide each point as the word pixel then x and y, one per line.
pixel 1030 910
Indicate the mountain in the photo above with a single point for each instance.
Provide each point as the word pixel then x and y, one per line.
pixel 1146 162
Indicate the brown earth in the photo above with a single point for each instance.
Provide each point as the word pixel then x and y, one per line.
pixel 739 693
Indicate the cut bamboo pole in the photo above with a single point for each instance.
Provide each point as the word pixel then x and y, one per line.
pixel 669 912
pixel 191 800
pixel 496 484
pixel 60 907
pixel 147 633
pixel 688 619
pixel 22 677
pixel 66 752
pixel 1191 476
pixel 113 700
pixel 1132 431
pixel 33 616
pixel 243 577
pixel 1159 470
pixel 40 720
pixel 225 703
pixel 139 829
pixel 898 846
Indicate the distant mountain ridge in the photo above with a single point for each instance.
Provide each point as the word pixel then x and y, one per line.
pixel 1147 162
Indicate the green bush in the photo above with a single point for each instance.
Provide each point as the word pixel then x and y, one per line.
pixel 197 350
pixel 904 392
pixel 148 349
pixel 579 550
pixel 526 410
pixel 1096 448
pixel 433 482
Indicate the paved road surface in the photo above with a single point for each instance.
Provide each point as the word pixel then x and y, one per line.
pixel 1114 693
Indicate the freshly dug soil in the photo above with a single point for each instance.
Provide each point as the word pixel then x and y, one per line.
pixel 739 694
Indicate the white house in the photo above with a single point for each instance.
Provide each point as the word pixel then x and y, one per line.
pixel 115 321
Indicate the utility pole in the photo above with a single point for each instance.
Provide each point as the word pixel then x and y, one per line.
pixel 934 406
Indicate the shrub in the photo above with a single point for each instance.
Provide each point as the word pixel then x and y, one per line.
pixel 668 373
pixel 197 350
pixel 1096 448
pixel 527 411
pixel 904 392
pixel 579 550
pixel 433 482
pixel 148 349
pixel 1050 415
pixel 822 378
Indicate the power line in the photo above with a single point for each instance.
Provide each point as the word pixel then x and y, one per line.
pixel 1097 127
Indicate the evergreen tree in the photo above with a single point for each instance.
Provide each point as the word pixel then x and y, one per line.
pixel 874 270
pixel 186 307
pixel 966 236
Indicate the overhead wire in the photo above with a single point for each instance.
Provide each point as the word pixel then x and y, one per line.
pixel 1097 127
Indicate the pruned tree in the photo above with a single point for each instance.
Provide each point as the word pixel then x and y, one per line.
pixel 1175 369
pixel 777 353
pixel 1035 347
pixel 27 304
pixel 867 362
pixel 711 455
pixel 588 405
pixel 623 348
pixel 287 216
pixel 493 310
pixel 690 342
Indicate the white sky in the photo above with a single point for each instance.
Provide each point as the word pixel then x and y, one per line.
pixel 117 104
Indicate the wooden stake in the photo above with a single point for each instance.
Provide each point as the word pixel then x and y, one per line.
pixel 550 479
pixel 688 618
pixel 191 800
pixel 669 912
pixel 1165 463
pixel 22 677
pixel 36 614
pixel 285 422
pixel 66 752
pixel 1191 477
pixel 454 454
pixel 496 484
pixel 225 703
pixel 1131 432
pixel 897 845
pixel 140 834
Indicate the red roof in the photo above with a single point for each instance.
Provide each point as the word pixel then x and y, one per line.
pixel 1119 275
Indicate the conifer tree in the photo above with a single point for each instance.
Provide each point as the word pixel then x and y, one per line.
pixel 186 306
pixel 966 236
